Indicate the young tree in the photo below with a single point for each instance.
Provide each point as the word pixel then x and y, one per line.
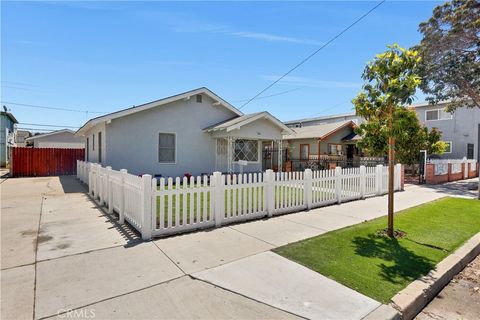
pixel 450 52
pixel 390 83
pixel 410 137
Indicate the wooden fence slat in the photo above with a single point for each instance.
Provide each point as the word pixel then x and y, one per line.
pixel 37 162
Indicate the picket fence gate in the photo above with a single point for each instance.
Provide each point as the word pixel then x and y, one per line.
pixel 158 207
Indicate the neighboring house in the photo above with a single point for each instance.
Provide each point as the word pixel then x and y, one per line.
pixel 22 135
pixel 8 130
pixel 323 143
pixel 195 132
pixel 63 138
pixel 325 119
pixel 459 129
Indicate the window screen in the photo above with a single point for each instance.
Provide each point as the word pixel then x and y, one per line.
pixel 166 147
pixel 246 150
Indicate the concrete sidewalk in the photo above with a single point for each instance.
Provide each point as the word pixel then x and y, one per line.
pixel 60 252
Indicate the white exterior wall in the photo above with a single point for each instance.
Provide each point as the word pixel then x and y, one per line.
pixel 131 142
pixel 59 140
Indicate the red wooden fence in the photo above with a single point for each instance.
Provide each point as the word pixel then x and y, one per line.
pixel 37 162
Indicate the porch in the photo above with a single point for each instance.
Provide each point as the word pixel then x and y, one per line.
pixel 325 146
pixel 246 143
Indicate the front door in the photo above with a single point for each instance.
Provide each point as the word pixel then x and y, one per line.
pixel 350 151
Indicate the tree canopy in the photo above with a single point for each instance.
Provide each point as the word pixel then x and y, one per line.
pixel 410 137
pixel 450 52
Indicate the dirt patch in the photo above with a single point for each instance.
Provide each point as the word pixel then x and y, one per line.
pixel 28 233
pixel 63 245
pixel 470 276
pixel 44 238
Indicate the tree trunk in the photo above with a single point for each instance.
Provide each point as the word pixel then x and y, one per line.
pixel 391 172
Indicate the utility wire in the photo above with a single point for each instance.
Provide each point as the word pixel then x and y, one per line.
pixel 273 95
pixel 314 53
pixel 50 108
pixel 35 129
pixel 46 125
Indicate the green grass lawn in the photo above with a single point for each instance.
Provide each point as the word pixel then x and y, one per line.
pixel 380 267
pixel 240 198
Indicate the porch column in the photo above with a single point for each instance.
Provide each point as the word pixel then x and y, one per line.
pixel 230 146
pixel 280 155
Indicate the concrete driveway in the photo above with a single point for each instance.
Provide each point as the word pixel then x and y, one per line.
pixel 63 256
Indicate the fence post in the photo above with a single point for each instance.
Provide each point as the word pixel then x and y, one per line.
pixel 338 184
pixel 465 168
pixel 109 191
pixel 379 178
pixel 90 178
pixel 146 207
pixel 363 181
pixel 218 197
pixel 269 191
pixel 121 214
pixel 307 180
pixel 398 176
pixel 78 169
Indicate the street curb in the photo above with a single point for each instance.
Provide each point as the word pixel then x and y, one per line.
pixel 384 312
pixel 411 300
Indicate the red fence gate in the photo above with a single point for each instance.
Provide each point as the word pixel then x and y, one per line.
pixel 35 162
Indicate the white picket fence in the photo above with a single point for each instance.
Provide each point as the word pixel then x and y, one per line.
pixel 158 207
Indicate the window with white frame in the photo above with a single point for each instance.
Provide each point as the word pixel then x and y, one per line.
pixel 166 147
pixel 448 148
pixel 437 114
pixel 246 150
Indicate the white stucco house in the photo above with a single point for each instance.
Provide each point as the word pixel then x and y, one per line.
pixel 64 138
pixel 195 132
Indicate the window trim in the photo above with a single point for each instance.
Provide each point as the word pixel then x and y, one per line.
pixel 300 151
pixel 473 150
pixel 87 150
pixel 438 113
pixel 158 147
pixel 451 146
pixel 93 142
pixel 259 153
pixel 99 137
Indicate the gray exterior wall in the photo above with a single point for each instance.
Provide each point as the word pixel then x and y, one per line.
pixel 460 130
pixel 131 142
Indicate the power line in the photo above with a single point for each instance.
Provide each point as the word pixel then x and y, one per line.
pixel 314 53
pixel 50 108
pixel 34 129
pixel 273 95
pixel 46 125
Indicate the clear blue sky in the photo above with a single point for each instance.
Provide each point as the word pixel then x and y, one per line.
pixel 104 56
